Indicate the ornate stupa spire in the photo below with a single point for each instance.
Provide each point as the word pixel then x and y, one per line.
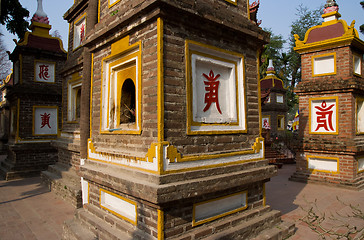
pixel 331 11
pixel 40 16
pixel 270 70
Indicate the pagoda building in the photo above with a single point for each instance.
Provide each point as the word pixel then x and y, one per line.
pixel 331 97
pixel 274 105
pixel 4 112
pixel 34 100
pixel 170 136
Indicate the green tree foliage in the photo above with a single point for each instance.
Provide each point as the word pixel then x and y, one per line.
pixel 13 15
pixel 288 63
pixel 306 19
pixel 362 26
pixel 273 50
pixel 4 60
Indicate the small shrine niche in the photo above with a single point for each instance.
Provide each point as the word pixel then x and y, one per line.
pixel 127 102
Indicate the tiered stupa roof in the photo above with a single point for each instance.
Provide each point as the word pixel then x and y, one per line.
pixel 40 38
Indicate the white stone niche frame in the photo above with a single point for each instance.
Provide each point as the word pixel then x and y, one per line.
pixel 324 64
pixel 360 115
pixel 110 92
pixel 203 59
pixel 45 71
pixel 357 64
pixel 317 121
pixel 72 89
pixel 45 120
pixel 77 31
pixel 323 164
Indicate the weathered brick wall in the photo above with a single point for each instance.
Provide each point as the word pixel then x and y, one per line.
pixel 274 122
pixel 68 157
pixel 147 215
pixel 28 72
pixel 175 88
pixel 68 126
pixel 178 216
pixel 346 144
pixel 138 144
pixel 72 53
pixel 343 142
pixel 30 157
pixel 344 60
pixel 33 93
pixel 219 11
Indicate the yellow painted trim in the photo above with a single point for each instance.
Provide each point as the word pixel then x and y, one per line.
pixel 160 224
pixel 336 13
pixel 255 149
pixel 49 62
pixel 284 120
pixel 38 31
pixel 76 78
pixel 91 91
pixel 17 138
pixel 323 158
pixel 358 99
pixel 20 69
pixel 322 56
pixel 135 221
pixel 118 49
pixel 350 35
pixel 232 2
pixel 336 98
pixel 274 77
pixel 196 223
pixel 160 106
pixel 259 87
pixel 248 10
pixel 99 11
pixel 190 122
pixel 361 64
pixel 111 5
pixel 33 127
pixel 83 16
pixel 176 157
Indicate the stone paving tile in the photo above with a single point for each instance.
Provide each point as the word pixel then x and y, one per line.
pixel 28 211
pixel 290 197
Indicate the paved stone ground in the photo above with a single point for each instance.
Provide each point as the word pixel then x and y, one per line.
pixel 29 211
pixel 290 197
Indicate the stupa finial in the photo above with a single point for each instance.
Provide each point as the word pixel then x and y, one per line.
pixel 40 16
pixel 270 69
pixel 331 6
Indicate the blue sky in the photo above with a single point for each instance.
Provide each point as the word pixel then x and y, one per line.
pixel 275 14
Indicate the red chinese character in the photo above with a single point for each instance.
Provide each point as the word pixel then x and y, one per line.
pixel 43 72
pixel 324 117
pixel 45 120
pixel 212 94
pixel 266 124
pixel 82 33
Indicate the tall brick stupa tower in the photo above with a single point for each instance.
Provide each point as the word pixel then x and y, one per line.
pixel 331 97
pixel 34 100
pixel 174 147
